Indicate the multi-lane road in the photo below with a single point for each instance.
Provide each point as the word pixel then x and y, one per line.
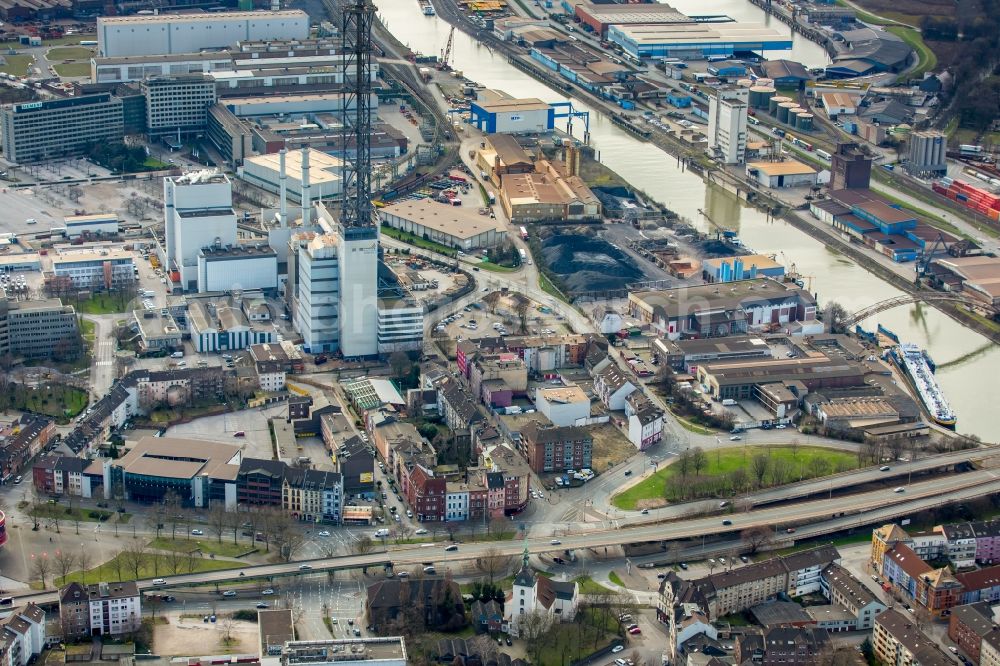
pixel 813 518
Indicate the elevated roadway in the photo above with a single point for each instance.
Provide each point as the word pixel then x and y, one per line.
pixel 815 518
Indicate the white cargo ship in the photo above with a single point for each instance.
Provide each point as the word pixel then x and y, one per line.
pixel 913 360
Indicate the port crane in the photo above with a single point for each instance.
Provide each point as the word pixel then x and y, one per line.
pixel 444 63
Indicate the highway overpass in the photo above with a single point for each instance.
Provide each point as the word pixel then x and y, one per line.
pixel 812 519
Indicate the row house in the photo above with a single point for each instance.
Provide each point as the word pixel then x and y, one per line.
pixel 388 433
pixel 556 448
pixel 354 460
pixel 935 590
pixel 313 496
pixel 426 495
pixel 787 646
pixel 22 636
pixel 541 355
pixel 497 378
pixel 897 640
pixel 22 441
pixel 844 590
pixel 987 533
pixel 62 475
pixel 963 544
pixel 260 482
pixel 458 406
pixel 969 625
pixel 613 386
pixel 645 421
pixel 980 585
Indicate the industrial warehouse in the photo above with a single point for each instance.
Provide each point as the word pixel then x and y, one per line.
pixel 453 226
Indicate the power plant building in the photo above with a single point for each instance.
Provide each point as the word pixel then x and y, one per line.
pixel 727 124
pixel 192 33
pixel 264 171
pixel 238 267
pixel 35 131
pixel 198 213
pixel 453 226
pixel 850 168
pixel 926 157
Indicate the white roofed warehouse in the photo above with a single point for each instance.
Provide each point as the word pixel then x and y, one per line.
pixel 454 226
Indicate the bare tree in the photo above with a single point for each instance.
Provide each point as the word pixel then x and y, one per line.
pixel 218 519
pixel 63 562
pixel 363 545
pixel 119 563
pixel 531 626
pixel 135 557
pixel 36 512
pixel 496 528
pixel 493 562
pixel 756 537
pixel 74 514
pixel 172 505
pixel 226 624
pixel 174 560
pixel 40 567
pixel 759 465
pixel 698 460
pixel 684 463
pixel 83 559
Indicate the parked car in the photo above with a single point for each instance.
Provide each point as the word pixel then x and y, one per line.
pixel 267 591
pixel 196 532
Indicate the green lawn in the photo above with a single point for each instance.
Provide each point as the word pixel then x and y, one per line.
pixel 926 60
pixel 59 401
pixel 68 40
pixel 423 243
pixel 71 69
pixel 64 513
pixel 590 586
pixel 104 303
pixel 207 546
pixel 153 164
pixel 616 579
pixel 71 53
pixel 496 268
pixel 152 565
pixel 721 462
pixel 569 642
pixel 18 65
pixel 546 285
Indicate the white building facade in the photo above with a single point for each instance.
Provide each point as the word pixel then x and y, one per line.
pixel 317 306
pixel 400 326
pixel 198 213
pixel 358 311
pixel 727 124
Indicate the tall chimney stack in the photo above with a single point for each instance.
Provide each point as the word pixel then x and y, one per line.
pixel 306 198
pixel 283 193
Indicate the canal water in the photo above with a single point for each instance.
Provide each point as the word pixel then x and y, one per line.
pixel 968 361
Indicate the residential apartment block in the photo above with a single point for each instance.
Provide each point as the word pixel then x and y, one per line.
pixel 39 329
pixel 22 635
pixel 101 609
pixel 313 496
pixel 556 448
pixel 897 640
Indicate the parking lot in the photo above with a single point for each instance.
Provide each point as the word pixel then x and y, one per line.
pixel 478 321
pixel 222 428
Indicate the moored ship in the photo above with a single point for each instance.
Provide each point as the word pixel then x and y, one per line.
pixel 915 362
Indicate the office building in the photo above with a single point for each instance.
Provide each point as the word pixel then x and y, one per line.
pixel 193 33
pixel 221 325
pixel 95 269
pixel 225 268
pixel 198 213
pixel 39 329
pixel 316 315
pixel 850 168
pixel 400 325
pixel 499 113
pixel 926 157
pixel 727 124
pixel 157 331
pixel 36 131
pixel 101 609
pixel 200 472
pixel 178 104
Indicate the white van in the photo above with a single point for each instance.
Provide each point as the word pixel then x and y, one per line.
pixel 382 532
pixel 177 354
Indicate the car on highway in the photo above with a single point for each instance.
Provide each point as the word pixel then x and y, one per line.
pixel 324 533
pixel 305 567
pixel 734 438
pixel 884 468
pixel 901 489
pixel 618 648
pixel 403 574
pixel 229 593
pixel 420 531
pixel 790 530
pixel 262 604
pixel 953 649
pixel 683 565
pixel 744 559
pixel 727 522
pixel 430 570
pixel 555 542
pixel 645 512
pixel 159 581
pixel 628 472
pixel 451 548
pixel 17 479
pixel 196 532
pixel 267 591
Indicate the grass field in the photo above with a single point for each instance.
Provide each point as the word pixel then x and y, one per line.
pixel 721 462
pixel 65 514
pixel 71 53
pixel 71 69
pixel 103 304
pixel 18 65
pixel 58 401
pixel 495 268
pixel 207 546
pixel 569 642
pixel 926 60
pixel 590 586
pixel 151 565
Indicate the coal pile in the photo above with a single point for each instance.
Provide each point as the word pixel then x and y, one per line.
pixel 585 263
